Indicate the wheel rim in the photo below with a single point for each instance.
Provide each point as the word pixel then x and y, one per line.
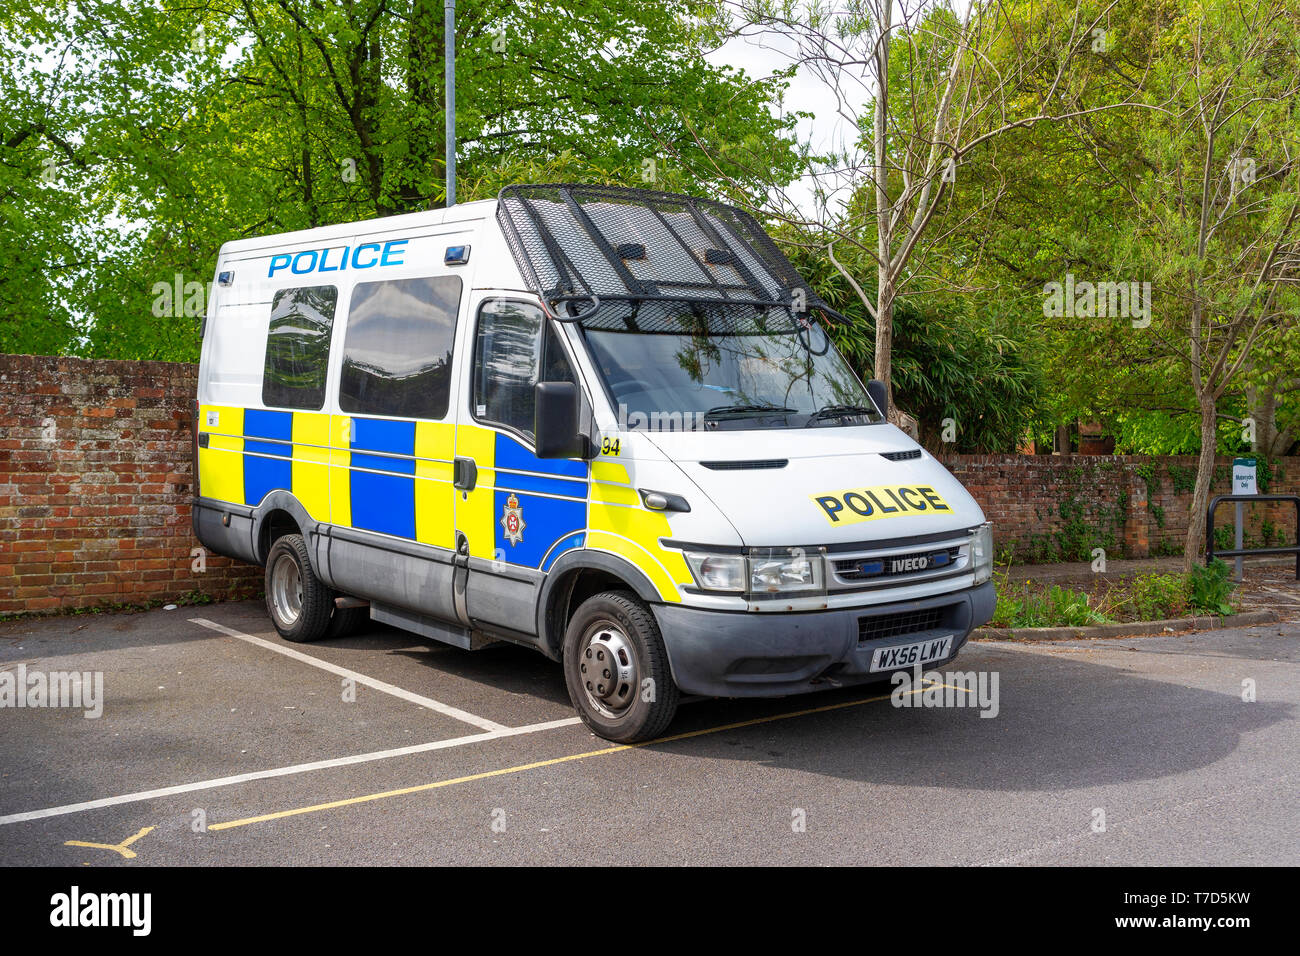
pixel 286 590
pixel 607 669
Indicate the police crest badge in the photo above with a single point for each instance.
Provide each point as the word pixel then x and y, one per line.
pixel 512 520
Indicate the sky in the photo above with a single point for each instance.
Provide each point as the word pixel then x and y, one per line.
pixel 761 55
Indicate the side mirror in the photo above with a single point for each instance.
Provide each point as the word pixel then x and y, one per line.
pixel 876 390
pixel 555 421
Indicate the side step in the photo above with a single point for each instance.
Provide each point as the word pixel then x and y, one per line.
pixel 431 627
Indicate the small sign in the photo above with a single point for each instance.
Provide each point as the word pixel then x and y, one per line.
pixel 1243 477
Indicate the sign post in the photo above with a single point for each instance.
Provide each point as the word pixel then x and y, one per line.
pixel 1243 483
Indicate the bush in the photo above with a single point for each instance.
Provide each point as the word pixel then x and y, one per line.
pixel 1210 588
pixel 1156 597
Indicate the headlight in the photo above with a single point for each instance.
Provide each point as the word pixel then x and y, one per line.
pixel 782 570
pixel 718 572
pixel 766 572
pixel 981 553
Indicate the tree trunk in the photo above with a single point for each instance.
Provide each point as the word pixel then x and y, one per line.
pixel 1261 406
pixel 1194 546
pixel 882 365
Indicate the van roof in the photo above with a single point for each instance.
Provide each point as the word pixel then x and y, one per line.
pixel 493 265
pixel 470 212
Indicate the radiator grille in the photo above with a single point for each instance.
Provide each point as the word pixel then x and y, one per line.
pixel 880 626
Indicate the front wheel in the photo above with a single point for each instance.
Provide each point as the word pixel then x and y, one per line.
pixel 616 668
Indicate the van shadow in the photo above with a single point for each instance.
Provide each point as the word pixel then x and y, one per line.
pixel 501 668
pixel 1062 724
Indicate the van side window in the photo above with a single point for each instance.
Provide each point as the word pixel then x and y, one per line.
pixel 508 352
pixel 298 347
pixel 397 353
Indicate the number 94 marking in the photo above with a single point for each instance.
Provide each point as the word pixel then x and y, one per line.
pixel 609 446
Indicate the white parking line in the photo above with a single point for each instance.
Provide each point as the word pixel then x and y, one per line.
pixel 446 709
pixel 284 771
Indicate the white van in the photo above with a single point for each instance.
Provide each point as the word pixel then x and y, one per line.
pixel 603 423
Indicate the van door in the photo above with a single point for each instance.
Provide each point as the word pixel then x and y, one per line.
pixel 515 513
pixel 392 440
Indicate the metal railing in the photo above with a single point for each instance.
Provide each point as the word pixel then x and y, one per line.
pixel 1211 553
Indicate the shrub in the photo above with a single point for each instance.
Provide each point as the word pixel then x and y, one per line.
pixel 1210 588
pixel 1155 597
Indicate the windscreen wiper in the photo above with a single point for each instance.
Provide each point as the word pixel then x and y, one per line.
pixel 745 411
pixel 840 411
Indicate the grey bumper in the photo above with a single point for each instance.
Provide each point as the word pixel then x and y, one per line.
pixel 729 654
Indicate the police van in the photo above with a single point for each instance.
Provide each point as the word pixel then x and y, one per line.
pixel 607 424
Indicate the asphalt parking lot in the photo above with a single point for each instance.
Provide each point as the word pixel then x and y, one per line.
pixel 221 744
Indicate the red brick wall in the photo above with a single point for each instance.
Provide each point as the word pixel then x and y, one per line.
pixel 95 484
pixel 1055 507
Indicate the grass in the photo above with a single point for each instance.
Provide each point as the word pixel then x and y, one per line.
pixel 1024 605
pixel 1144 597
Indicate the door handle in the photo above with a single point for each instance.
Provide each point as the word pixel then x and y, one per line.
pixel 464 474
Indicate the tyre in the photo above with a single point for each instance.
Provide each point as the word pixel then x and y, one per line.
pixel 346 621
pixel 299 602
pixel 616 668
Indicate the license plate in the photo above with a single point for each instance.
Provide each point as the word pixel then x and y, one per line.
pixel 910 655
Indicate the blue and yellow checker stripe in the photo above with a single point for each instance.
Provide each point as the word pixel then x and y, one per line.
pixel 551 496
pixel 383 475
pixel 618 523
pixel 394 477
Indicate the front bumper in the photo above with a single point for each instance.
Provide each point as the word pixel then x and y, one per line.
pixel 734 654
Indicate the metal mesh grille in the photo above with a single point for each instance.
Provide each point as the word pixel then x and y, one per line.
pixel 681 317
pixel 583 248
pixel 892 625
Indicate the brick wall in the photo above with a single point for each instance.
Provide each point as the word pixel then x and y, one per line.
pixel 1059 507
pixel 95 482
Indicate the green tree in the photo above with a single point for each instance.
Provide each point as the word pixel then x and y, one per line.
pixel 191 125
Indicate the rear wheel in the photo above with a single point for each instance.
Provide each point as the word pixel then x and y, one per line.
pixel 299 602
pixel 346 621
pixel 616 668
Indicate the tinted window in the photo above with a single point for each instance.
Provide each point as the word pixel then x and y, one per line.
pixel 397 355
pixel 508 354
pixel 298 347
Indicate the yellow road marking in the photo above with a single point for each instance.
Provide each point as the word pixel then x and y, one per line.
pixel 439 784
pixel 115 847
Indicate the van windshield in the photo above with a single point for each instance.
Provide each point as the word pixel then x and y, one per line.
pixel 734 375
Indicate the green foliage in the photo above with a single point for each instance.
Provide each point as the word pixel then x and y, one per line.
pixel 1053 606
pixel 138 135
pixel 1158 597
pixel 1182 477
pixel 1224 537
pixel 1211 588
pixel 951 360
pixel 172 127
